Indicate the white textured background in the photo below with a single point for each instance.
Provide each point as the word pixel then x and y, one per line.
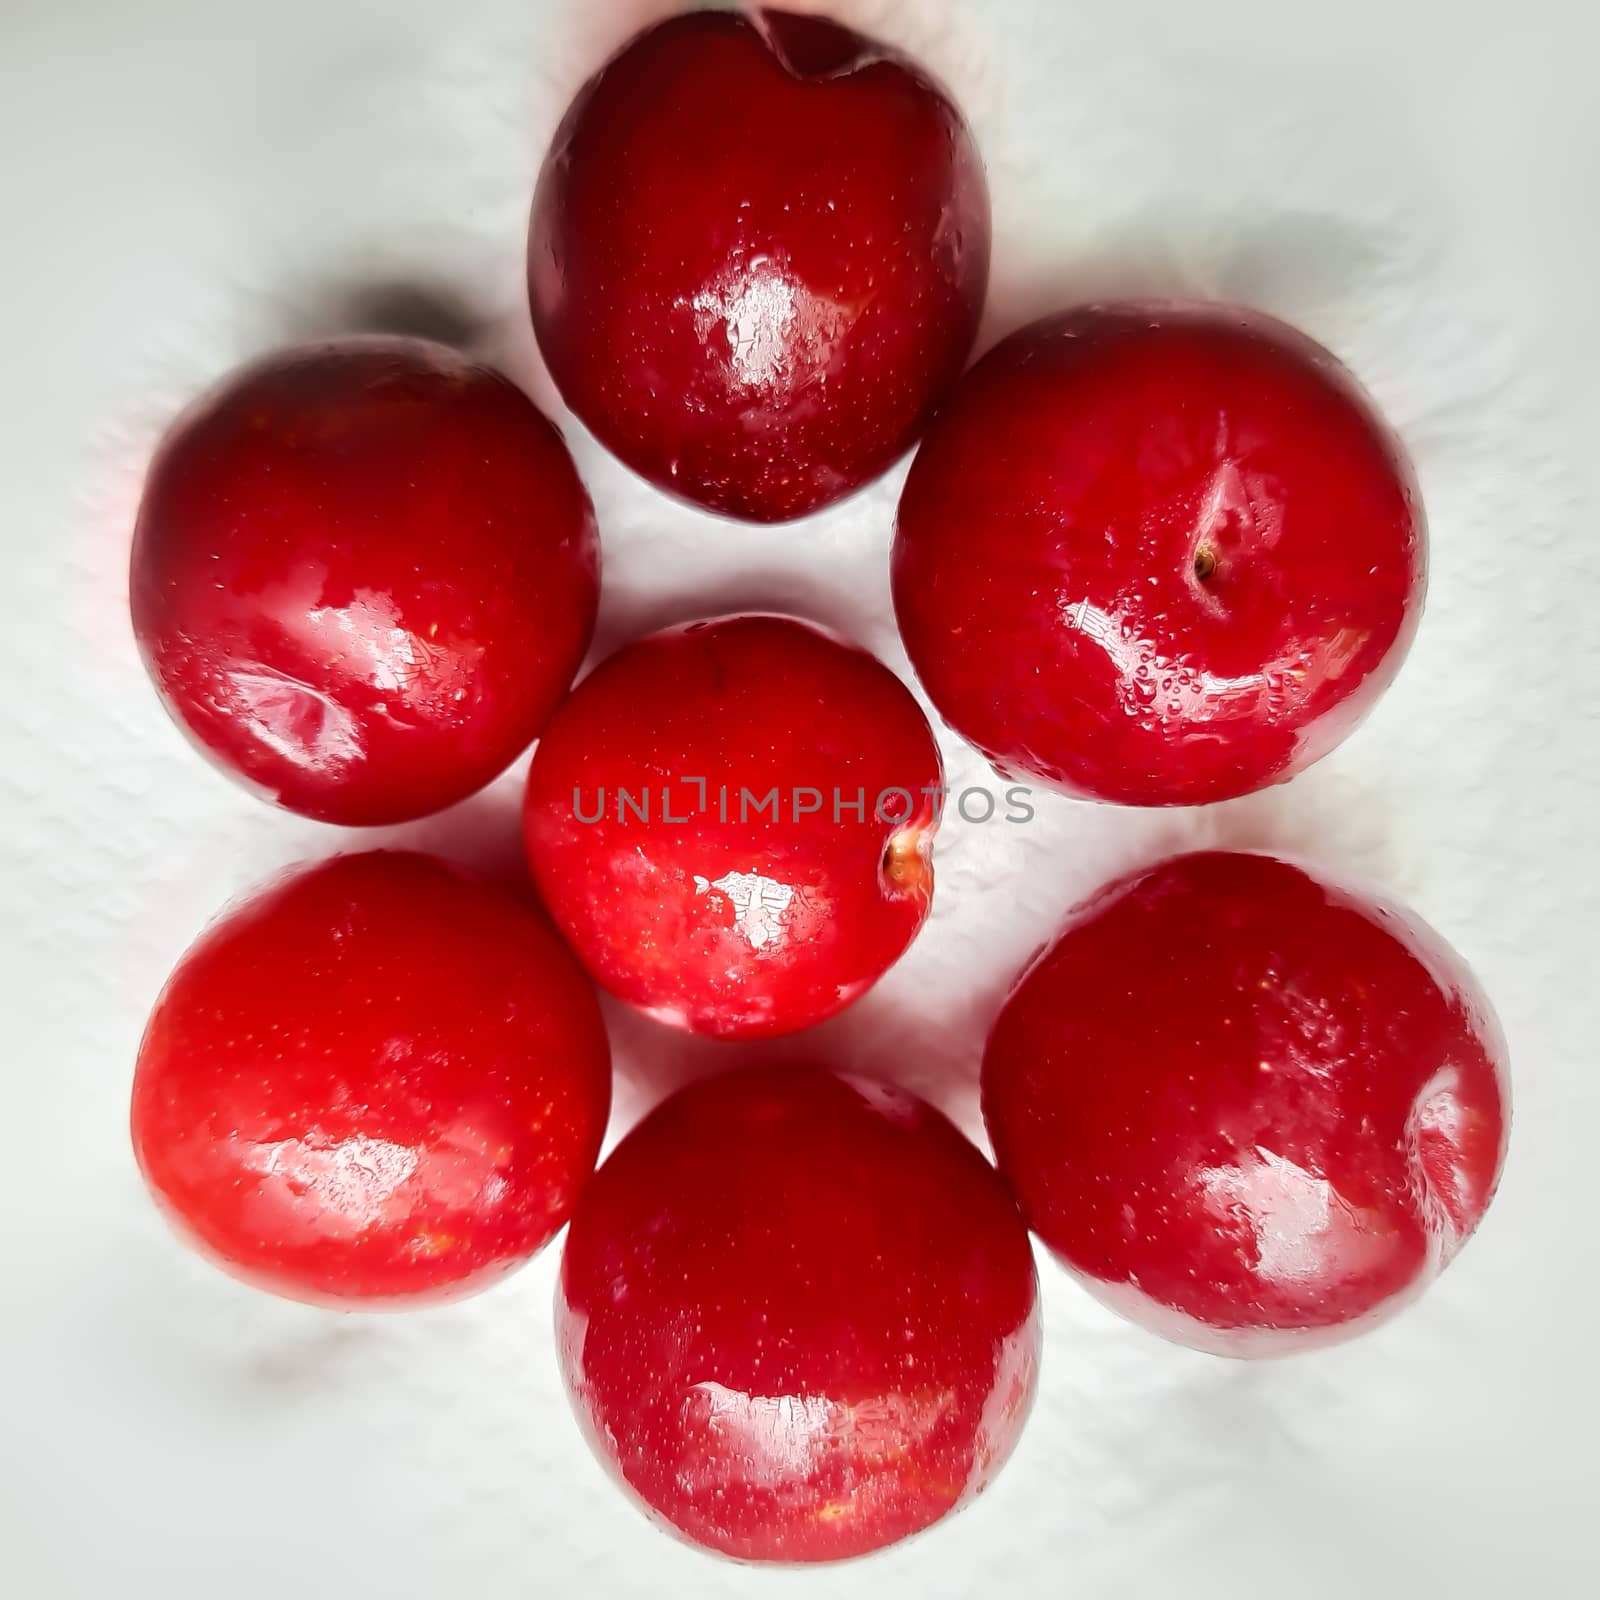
pixel 186 182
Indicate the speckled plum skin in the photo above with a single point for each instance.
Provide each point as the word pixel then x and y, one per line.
pixel 756 901
pixel 798 1315
pixel 1158 553
pixel 1254 1110
pixel 363 574
pixel 757 258
pixel 376 1081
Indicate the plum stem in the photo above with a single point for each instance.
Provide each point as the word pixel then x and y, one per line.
pixel 906 867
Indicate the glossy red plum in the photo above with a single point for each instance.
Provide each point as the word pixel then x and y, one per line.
pixel 1255 1111
pixel 798 1315
pixel 1158 554
pixel 731 820
pixel 376 1080
pixel 363 574
pixel 757 258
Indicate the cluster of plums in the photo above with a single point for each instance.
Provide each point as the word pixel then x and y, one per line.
pixel 1147 553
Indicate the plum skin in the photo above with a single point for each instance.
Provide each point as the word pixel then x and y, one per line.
pixel 376 1081
pixel 724 918
pixel 1158 553
pixel 798 1315
pixel 757 258
pixel 362 575
pixel 1254 1110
